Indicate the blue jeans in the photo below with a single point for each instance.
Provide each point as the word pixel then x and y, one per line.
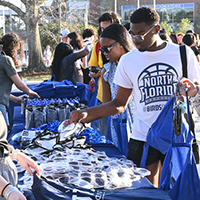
pixel 4 112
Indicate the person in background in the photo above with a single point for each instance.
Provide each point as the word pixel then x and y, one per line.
pixel 8 73
pixel 63 64
pixel 190 40
pixel 97 59
pixel 64 34
pixel 144 71
pixel 174 38
pixel 114 44
pixel 193 90
pixel 77 43
pixel 89 36
pixel 190 31
pixel 47 56
pixel 21 58
pixel 164 36
pixel 127 26
pixel 8 171
pixel 180 37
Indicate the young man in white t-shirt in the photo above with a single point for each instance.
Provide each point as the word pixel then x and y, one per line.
pixel 151 70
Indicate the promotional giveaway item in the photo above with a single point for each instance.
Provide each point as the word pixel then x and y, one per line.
pixel 47 190
pixel 179 173
pixel 173 120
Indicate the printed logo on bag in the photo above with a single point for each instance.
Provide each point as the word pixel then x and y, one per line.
pixel 157 83
pixel 94 194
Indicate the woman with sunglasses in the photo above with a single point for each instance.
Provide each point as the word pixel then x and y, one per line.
pixel 114 44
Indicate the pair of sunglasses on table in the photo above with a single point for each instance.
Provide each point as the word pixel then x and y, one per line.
pixel 139 38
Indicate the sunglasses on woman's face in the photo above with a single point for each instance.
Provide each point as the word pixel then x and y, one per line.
pixel 107 49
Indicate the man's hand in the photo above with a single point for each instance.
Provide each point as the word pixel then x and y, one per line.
pixel 192 89
pixel 33 94
pixel 77 116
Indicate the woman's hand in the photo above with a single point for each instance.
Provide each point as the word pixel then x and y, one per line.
pixel 27 163
pixel 192 89
pixel 16 195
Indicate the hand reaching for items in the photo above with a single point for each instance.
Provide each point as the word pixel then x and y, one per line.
pixel 77 116
pixel 26 162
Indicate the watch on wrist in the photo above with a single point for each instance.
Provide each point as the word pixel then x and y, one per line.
pixel 15 154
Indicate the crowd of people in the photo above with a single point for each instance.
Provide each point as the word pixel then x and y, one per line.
pixel 147 74
pixel 190 38
pixel 136 68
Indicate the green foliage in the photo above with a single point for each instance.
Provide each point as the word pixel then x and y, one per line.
pixel 1 32
pixel 49 34
pixel 167 27
pixel 79 28
pixel 184 26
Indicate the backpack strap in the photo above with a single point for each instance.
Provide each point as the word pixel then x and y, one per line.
pixel 182 49
pixel 195 147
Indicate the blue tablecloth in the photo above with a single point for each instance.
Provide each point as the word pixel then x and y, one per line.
pixel 141 189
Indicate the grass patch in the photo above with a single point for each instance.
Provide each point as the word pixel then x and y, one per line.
pixel 39 76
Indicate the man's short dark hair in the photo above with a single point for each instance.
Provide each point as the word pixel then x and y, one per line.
pixel 110 16
pixel 145 14
pixel 189 39
pixel 88 32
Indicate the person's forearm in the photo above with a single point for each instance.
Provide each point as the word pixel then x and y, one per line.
pixel 12 98
pixel 107 109
pixel 22 86
pixel 3 183
pixel 82 53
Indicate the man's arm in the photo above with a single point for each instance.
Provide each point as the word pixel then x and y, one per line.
pixel 117 105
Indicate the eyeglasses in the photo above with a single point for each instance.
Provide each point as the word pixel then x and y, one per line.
pixel 107 49
pixel 139 38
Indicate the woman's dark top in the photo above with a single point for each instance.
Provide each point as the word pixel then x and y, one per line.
pixel 68 69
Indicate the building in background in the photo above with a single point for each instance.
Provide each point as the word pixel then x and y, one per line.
pixel 171 11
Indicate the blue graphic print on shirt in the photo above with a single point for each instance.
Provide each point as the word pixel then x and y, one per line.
pixel 157 83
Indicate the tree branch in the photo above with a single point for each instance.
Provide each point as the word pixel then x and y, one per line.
pixel 40 2
pixel 51 8
pixel 13 7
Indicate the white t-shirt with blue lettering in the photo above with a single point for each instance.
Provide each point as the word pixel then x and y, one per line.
pixel 152 76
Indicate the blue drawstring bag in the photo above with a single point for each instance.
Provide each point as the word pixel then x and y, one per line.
pixel 161 133
pixel 179 173
pixel 120 125
pixel 83 93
